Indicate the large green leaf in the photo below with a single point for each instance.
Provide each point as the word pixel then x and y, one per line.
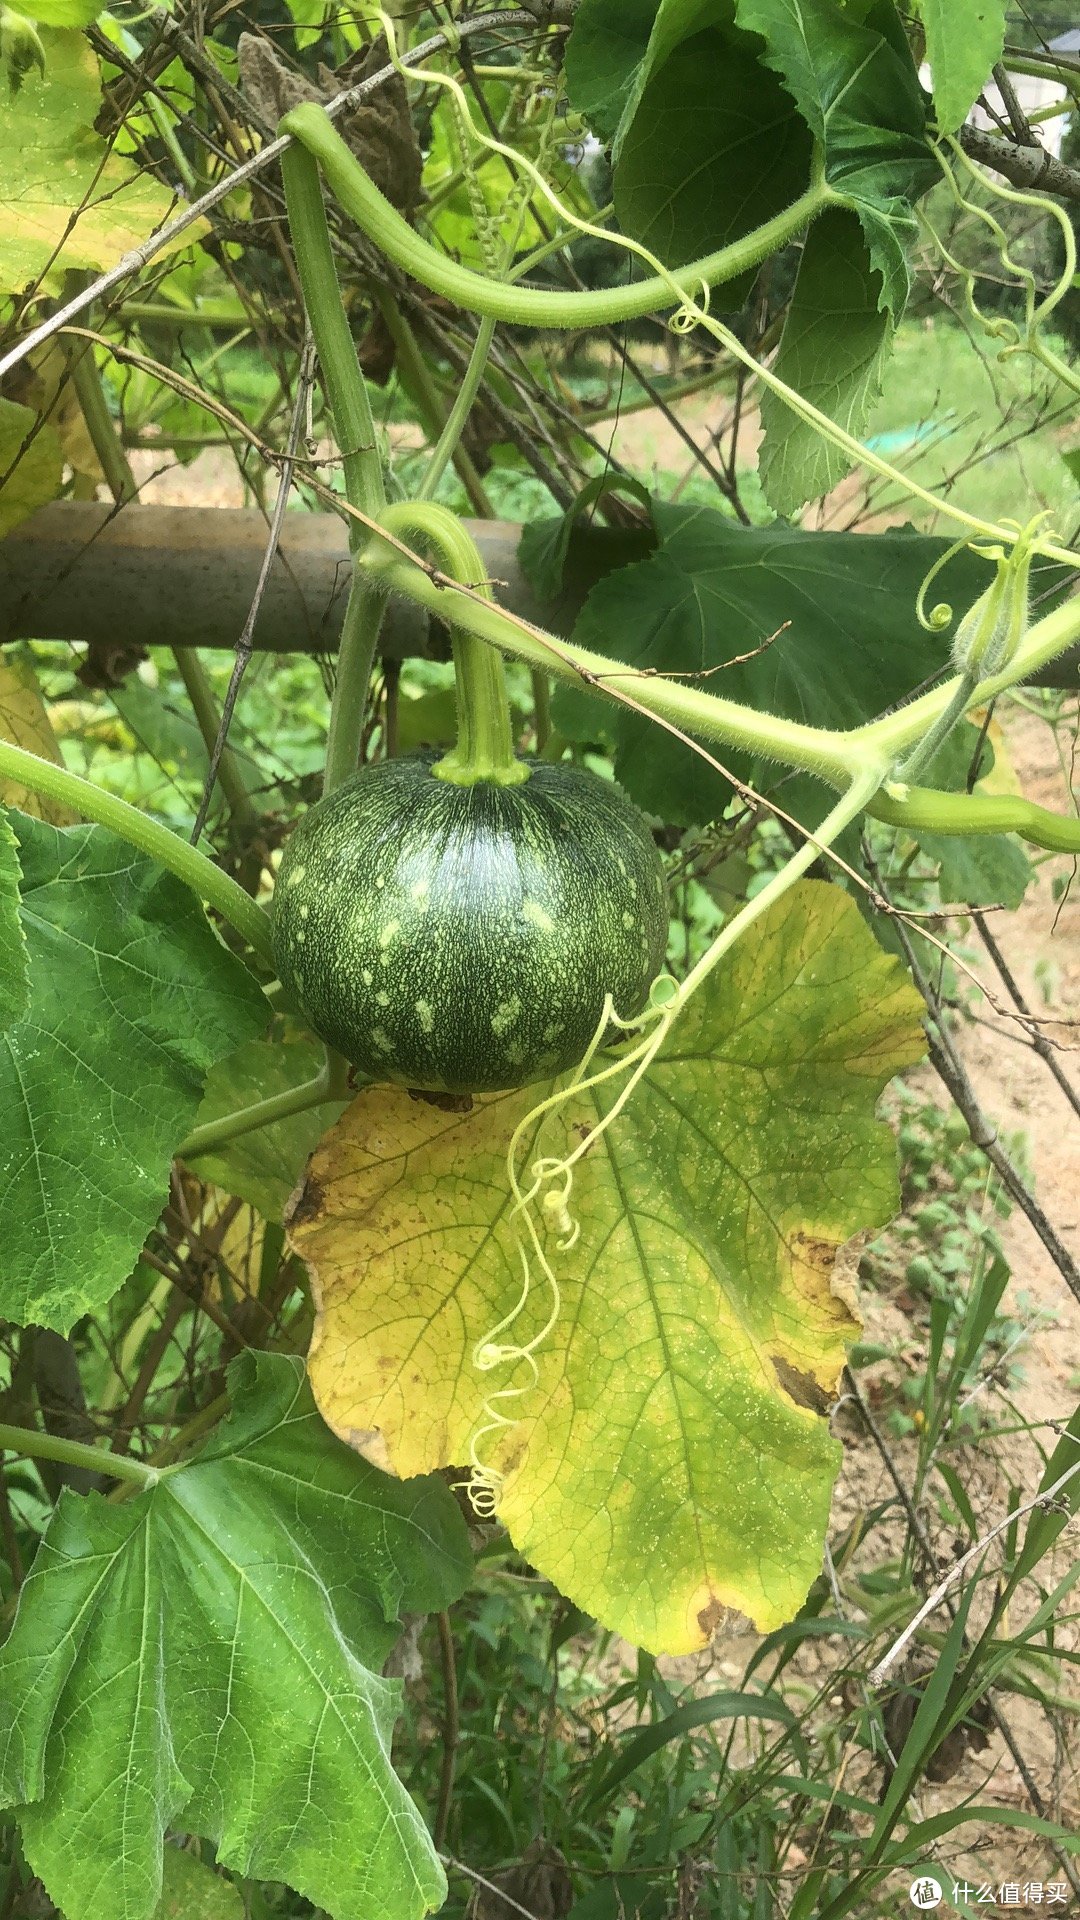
pixel 855 84
pixel 675 22
pixel 980 871
pixel 604 55
pixel 668 1459
pixel 65 200
pixel 263 1167
pixel 132 999
pixel 207 1655
pixel 14 984
pixel 31 463
pixel 564 555
pixel 714 150
pixel 835 341
pixel 847 70
pixel 715 590
pixel 964 38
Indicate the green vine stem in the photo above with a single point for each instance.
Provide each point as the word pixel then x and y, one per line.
pixel 310 126
pixel 35 1445
pixel 865 784
pixel 943 726
pixel 346 388
pixel 415 377
pixel 811 748
pixel 459 412
pixel 485 744
pixel 346 391
pixel 90 394
pixel 926 810
pixel 832 756
pixel 149 836
pixel 360 630
pixel 529 306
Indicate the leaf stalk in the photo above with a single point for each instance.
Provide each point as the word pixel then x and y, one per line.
pixel 35 1445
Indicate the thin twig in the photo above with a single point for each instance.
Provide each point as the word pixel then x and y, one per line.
pixel 244 643
pixel 933 1601
pixel 1018 119
pixel 1026 167
pixel 1036 1037
pixel 194 1293
pixel 175 1309
pixel 458 1866
pixel 984 1132
pixel 952 1071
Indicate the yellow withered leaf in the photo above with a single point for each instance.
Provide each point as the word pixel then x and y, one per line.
pixel 671 1459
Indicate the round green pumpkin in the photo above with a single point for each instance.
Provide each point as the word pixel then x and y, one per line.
pixel 462 938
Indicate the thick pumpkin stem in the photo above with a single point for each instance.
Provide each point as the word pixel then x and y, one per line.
pixel 485 743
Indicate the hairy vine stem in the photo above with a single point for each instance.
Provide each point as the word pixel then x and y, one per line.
pixel 530 306
pixel 501 300
pixel 817 750
pixel 327 1085
pixel 346 390
pixel 485 746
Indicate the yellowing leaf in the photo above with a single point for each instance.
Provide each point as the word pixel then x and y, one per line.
pixel 24 721
pixel 43 382
pixel 669 1462
pixel 31 464
pixel 64 199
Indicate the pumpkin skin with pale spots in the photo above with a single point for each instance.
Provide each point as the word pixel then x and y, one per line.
pixel 461 939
